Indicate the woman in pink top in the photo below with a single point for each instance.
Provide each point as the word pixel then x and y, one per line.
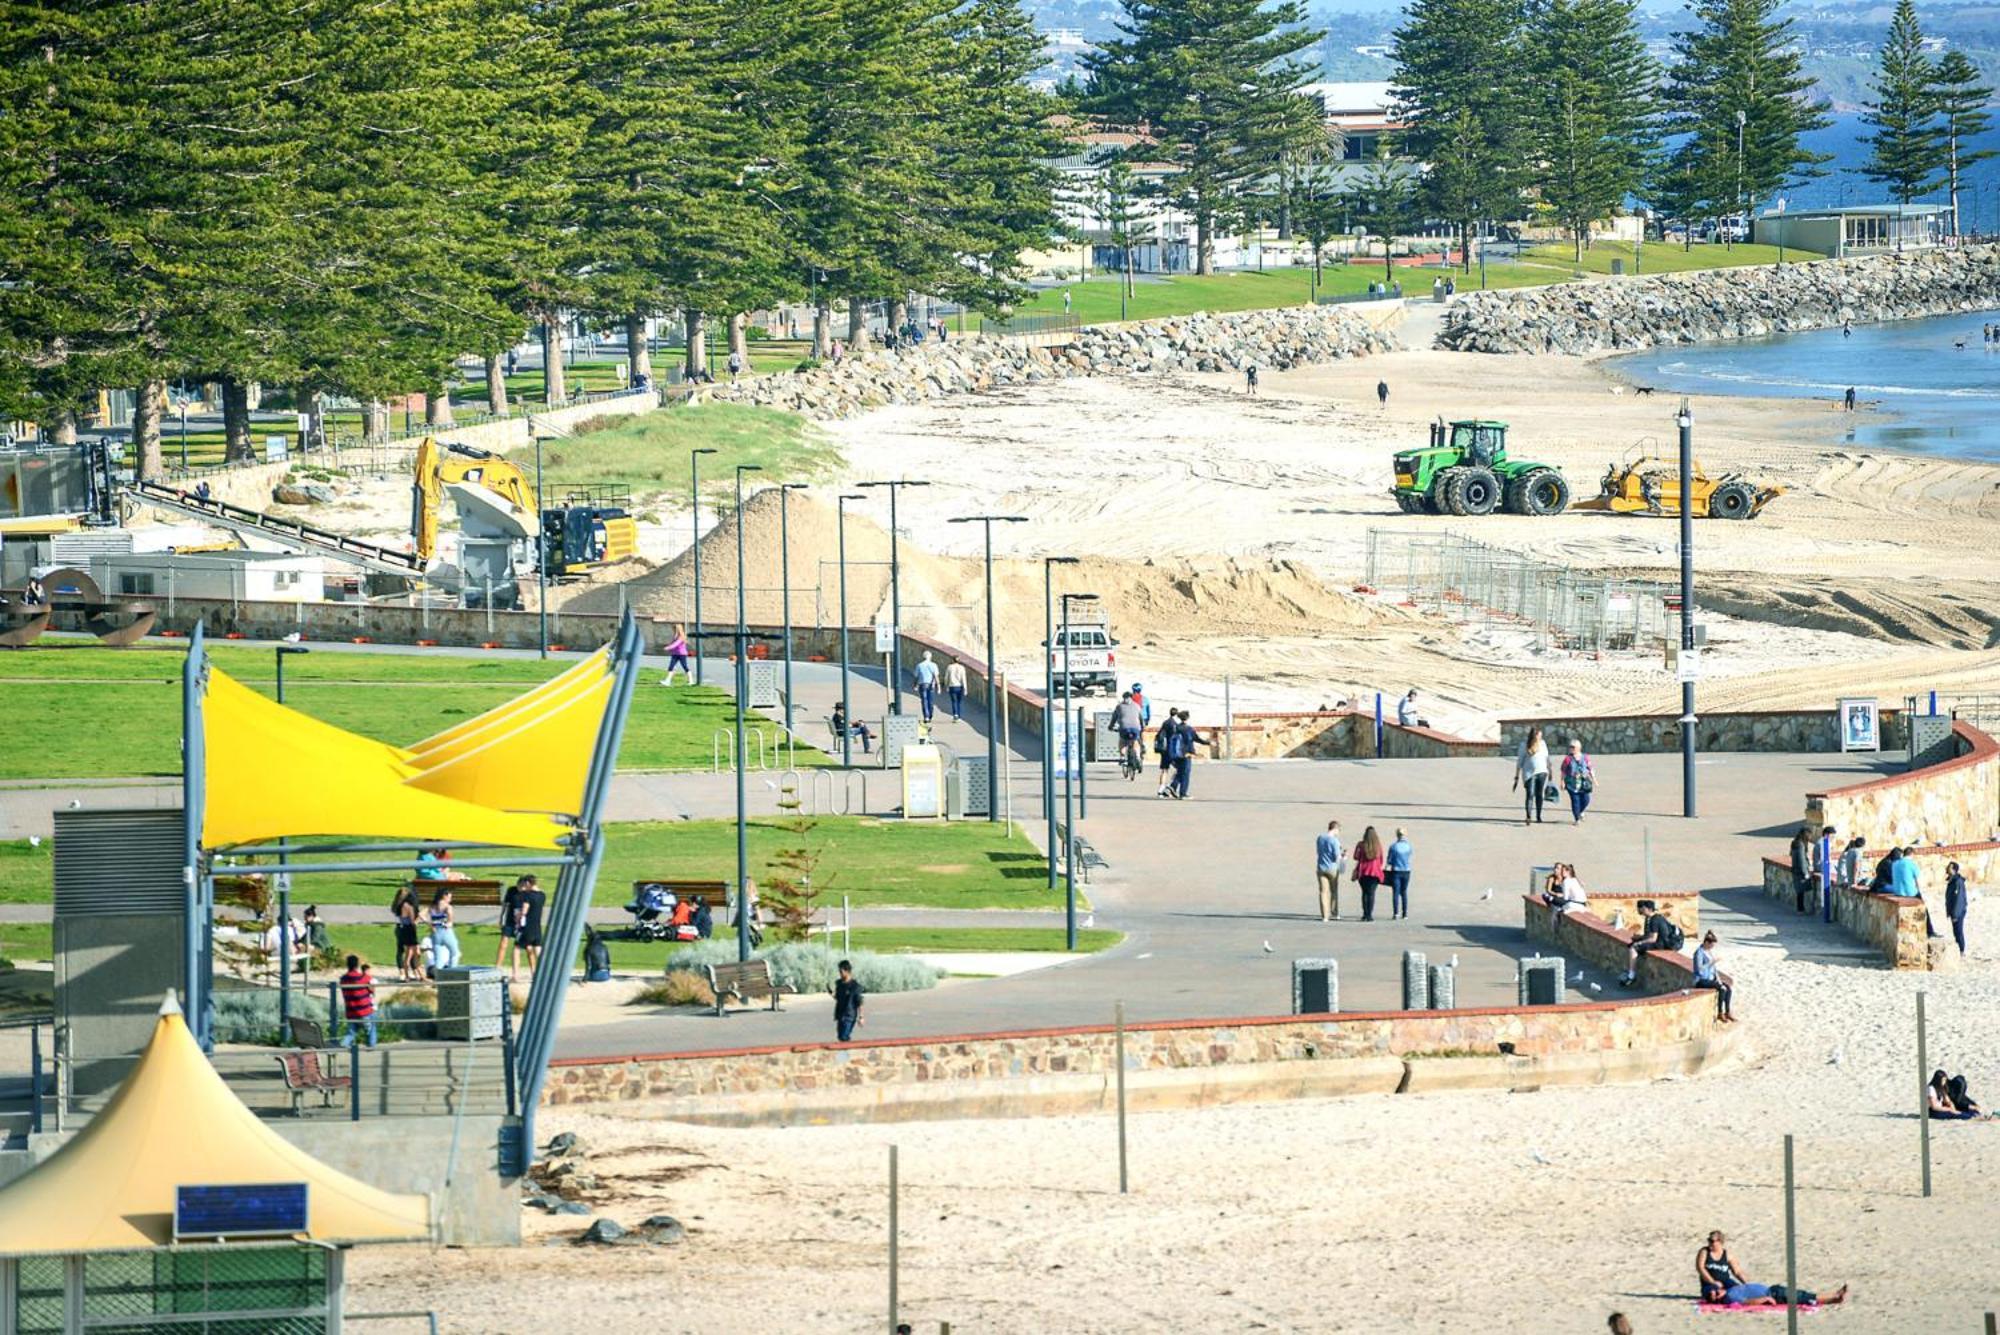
pixel 1368 860
pixel 677 657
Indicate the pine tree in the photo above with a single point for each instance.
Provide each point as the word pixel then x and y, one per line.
pixel 1961 107
pixel 1678 189
pixel 1385 202
pixel 1461 93
pixel 1211 84
pixel 1741 60
pixel 1591 106
pixel 1907 148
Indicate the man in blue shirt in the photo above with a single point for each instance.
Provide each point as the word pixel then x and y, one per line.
pixel 1327 854
pixel 1398 866
pixel 1903 877
pixel 927 684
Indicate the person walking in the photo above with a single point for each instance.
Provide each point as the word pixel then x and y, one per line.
pixel 1956 896
pixel 1531 770
pixel 1801 857
pixel 677 657
pixel 1848 403
pixel 1368 868
pixel 1398 866
pixel 1705 976
pixel 1382 394
pixel 1165 743
pixel 1188 739
pixel 735 365
pixel 1579 780
pixel 510 922
pixel 954 689
pixel 926 674
pixel 529 904
pixel 1327 853
pixel 1250 379
pixel 407 949
pixel 846 1003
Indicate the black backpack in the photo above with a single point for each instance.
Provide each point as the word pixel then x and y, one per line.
pixel 1671 936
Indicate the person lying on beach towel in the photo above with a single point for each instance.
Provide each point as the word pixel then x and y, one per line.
pixel 1723 1286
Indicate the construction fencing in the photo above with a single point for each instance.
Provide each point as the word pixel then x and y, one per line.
pixel 1568 609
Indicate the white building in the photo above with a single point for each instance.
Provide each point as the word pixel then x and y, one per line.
pixel 245 576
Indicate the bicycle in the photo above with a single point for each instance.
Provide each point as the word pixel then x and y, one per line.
pixel 1130 757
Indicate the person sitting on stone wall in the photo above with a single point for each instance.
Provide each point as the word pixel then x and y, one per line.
pixel 1660 933
pixel 1563 892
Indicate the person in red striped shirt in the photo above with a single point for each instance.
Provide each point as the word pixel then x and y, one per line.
pixel 357 999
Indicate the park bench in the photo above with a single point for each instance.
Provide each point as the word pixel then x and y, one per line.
pixel 748 982
pixel 306 1033
pixel 304 1075
pixel 464 894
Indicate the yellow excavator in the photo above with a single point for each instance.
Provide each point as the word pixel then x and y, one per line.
pixel 589 529
pixel 1651 484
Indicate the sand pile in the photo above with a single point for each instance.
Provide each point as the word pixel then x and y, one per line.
pixel 945 596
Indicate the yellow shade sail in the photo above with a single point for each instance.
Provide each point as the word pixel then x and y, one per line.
pixel 271 772
pixel 597 665
pixel 175 1123
pixel 534 759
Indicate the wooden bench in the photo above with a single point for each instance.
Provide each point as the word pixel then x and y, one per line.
pixel 304 1075
pixel 715 894
pixel 747 982
pixel 464 894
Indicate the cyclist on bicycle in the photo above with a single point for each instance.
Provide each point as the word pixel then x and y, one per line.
pixel 1130 720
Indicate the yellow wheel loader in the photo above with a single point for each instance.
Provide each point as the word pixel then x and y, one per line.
pixel 1650 484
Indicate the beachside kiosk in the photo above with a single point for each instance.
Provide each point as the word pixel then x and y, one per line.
pixel 176 1209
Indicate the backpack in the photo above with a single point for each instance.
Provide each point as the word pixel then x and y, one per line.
pixel 1671 936
pixel 1177 744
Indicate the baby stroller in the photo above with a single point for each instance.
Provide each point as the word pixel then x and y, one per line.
pixel 652 911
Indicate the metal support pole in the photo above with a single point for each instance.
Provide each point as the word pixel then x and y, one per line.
pixel 785 581
pixel 1923 1094
pixel 894 1257
pixel 1082 773
pixel 1069 809
pixel 541 559
pixel 1686 423
pixel 846 711
pixel 1228 722
pixel 1378 725
pixel 895 613
pixel 1124 1178
pixel 694 505
pixel 1791 1246
pixel 1048 718
pixel 741 742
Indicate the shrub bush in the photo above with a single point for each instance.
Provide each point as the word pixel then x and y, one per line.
pixel 812 967
pixel 678 988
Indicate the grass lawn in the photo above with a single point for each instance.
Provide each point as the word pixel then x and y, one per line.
pixel 1096 302
pixel 83 711
pixel 959 864
pixel 1661 256
pixel 649 452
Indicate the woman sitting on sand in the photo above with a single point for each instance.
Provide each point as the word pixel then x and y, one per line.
pixel 1948 1100
pixel 1722 1283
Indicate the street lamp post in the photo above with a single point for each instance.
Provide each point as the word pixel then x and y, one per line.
pixel 992 665
pixel 694 504
pixel 1685 421
pixel 742 691
pixel 1049 563
pixel 1742 118
pixel 895 594
pixel 1072 761
pixel 284 881
pixel 847 727
pixel 785 489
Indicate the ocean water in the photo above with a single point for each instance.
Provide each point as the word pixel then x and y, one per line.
pixel 1924 393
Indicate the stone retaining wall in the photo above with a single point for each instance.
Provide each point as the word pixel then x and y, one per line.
pixel 1265 1056
pixel 1269 339
pixel 1895 926
pixel 1747 302
pixel 1587 938
pixel 1796 730
pixel 1342 734
pixel 1683 906
pixel 1955 801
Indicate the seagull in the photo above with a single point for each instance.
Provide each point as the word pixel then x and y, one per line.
pixel 75 804
pixel 1488 894
pixel 1267 947
pixel 34 841
pixel 1597 987
pixel 1837 1057
pixel 1576 977
pixel 1090 920
pixel 1454 961
pixel 294 637
pixel 1538 1157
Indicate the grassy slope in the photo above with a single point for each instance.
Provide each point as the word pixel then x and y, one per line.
pixel 88 712
pixel 960 864
pixel 1662 257
pixel 1097 301
pixel 649 453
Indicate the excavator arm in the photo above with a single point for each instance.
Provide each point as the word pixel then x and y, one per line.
pixel 437 466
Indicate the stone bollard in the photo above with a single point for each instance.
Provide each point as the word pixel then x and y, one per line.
pixel 1541 981
pixel 1443 989
pixel 1416 982
pixel 1315 986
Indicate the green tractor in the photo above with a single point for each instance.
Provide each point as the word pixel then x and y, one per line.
pixel 1465 471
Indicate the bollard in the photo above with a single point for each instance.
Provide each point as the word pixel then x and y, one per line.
pixel 1124 1180
pixel 1540 981
pixel 1443 988
pixel 892 1241
pixel 1416 982
pixel 1315 986
pixel 1791 1247
pixel 1923 1097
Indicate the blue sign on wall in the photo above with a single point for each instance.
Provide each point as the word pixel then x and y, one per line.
pixel 257 1209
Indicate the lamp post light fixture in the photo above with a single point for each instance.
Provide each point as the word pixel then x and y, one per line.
pixel 1049 563
pixel 1685 421
pixel 1742 118
pixel 846 714
pixel 895 592
pixel 1072 762
pixel 694 505
pixel 785 490
pixel 541 559
pixel 284 880
pixel 992 664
